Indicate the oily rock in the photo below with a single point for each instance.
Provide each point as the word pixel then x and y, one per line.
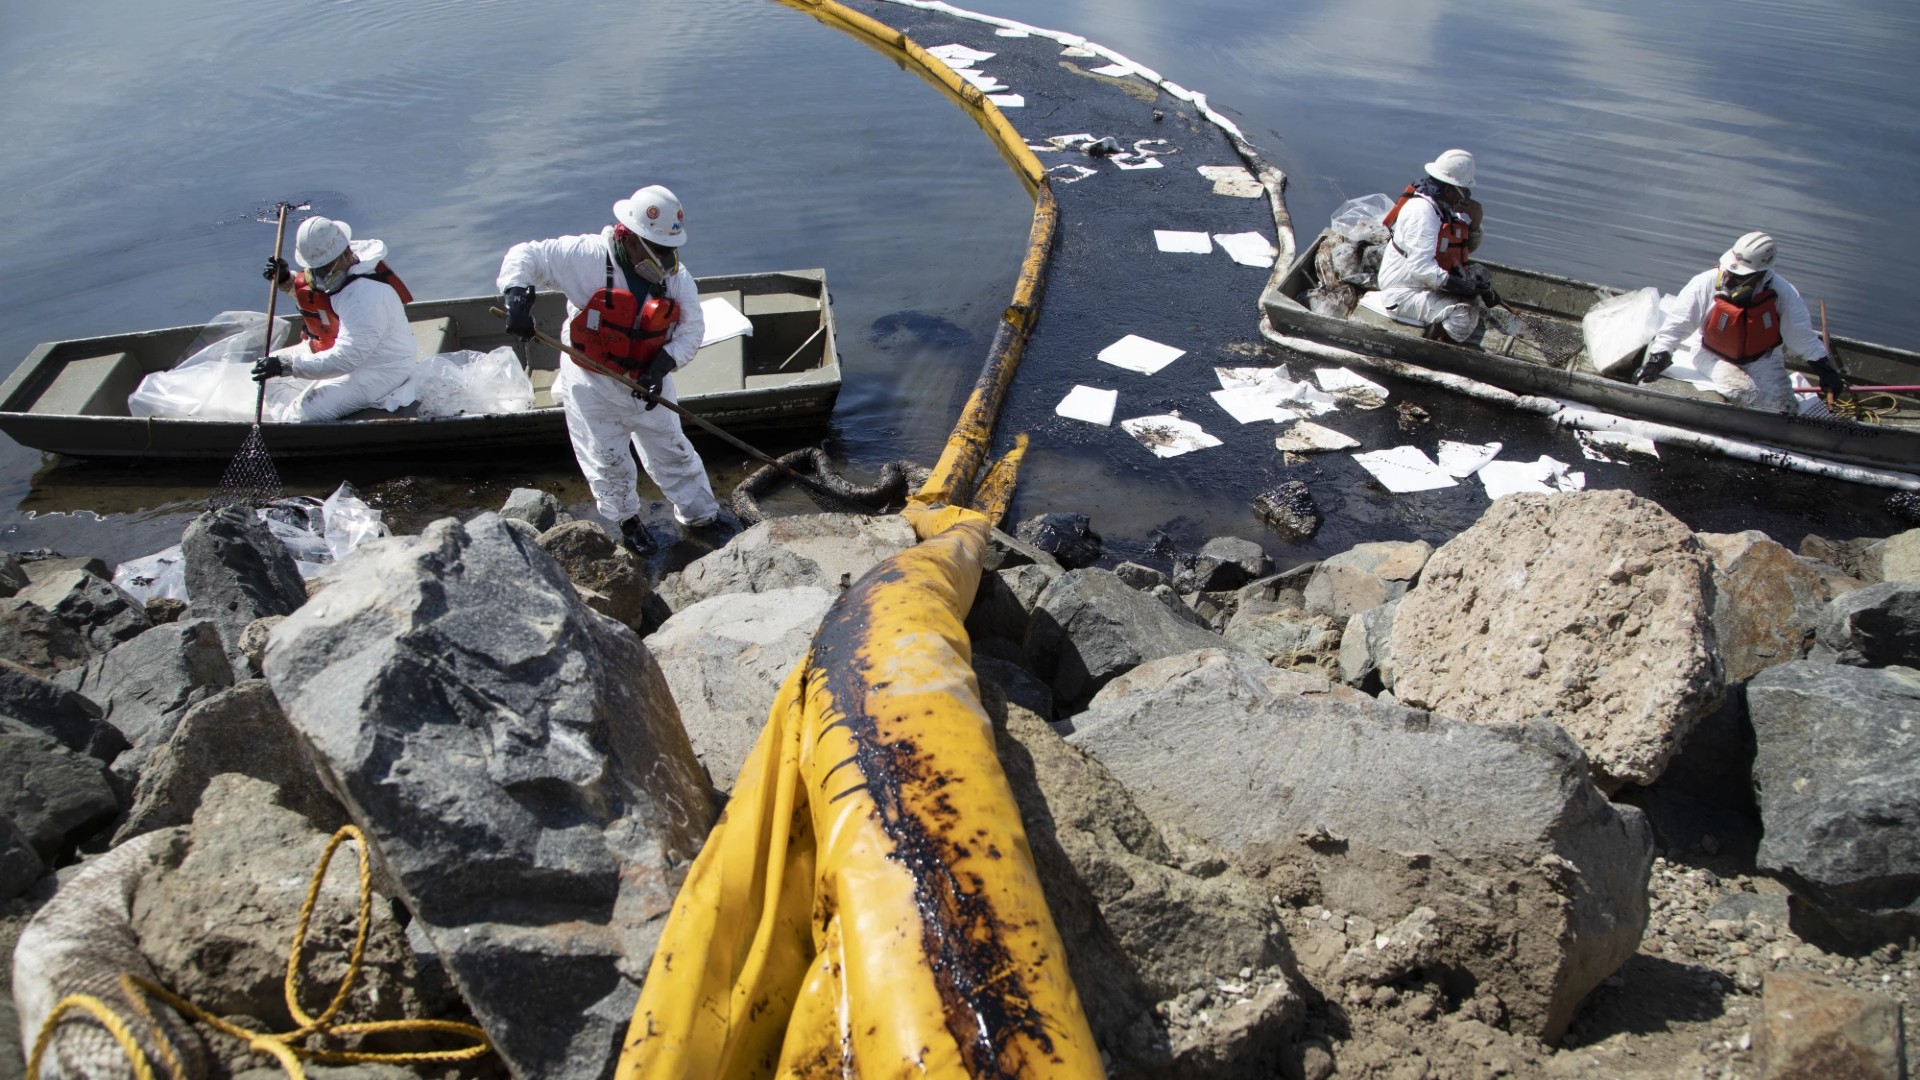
pixel 517 760
pixel 1591 610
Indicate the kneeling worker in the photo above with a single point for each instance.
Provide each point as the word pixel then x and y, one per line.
pixel 1749 319
pixel 633 308
pixel 1424 276
pixel 358 347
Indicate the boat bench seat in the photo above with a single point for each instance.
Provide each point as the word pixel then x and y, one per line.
pixel 433 336
pixel 718 367
pixel 92 386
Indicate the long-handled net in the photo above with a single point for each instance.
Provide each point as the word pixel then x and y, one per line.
pixel 251 479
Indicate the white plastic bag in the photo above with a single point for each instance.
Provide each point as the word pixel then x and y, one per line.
pixel 349 521
pixel 163 573
pixel 1617 328
pixel 1359 219
pixel 472 383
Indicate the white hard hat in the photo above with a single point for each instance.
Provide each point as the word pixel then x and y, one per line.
pixel 320 241
pixel 1452 167
pixel 654 213
pixel 1750 254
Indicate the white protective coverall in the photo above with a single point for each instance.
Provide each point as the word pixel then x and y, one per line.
pixel 1410 278
pixel 602 414
pixel 370 360
pixel 1761 383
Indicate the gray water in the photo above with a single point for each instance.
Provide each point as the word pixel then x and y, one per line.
pixel 1621 142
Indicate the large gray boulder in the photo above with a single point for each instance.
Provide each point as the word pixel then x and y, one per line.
pixel 1139 929
pixel 146 685
pixel 12 577
pixel 1089 627
pixel 1365 576
pixel 39 641
pixel 1877 626
pixel 1224 562
pixel 519 763
pixel 827 551
pixel 52 795
pixel 1767 602
pixel 239 730
pixel 1837 772
pixel 102 613
pixel 238 571
pixel 1591 610
pixel 725 658
pixel 71 718
pixel 1389 810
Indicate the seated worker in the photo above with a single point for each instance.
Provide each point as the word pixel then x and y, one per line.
pixel 1424 276
pixel 1749 319
pixel 632 308
pixel 358 347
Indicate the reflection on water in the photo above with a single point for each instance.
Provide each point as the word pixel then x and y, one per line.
pixel 1613 147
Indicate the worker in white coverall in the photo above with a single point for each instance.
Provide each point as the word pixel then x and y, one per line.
pixel 1425 279
pixel 357 347
pixel 633 307
pixel 1747 319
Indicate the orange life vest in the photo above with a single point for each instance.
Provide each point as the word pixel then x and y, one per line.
pixel 1742 334
pixel 1450 250
pixel 620 330
pixel 316 306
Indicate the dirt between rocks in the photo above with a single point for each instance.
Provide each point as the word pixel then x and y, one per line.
pixel 1683 1008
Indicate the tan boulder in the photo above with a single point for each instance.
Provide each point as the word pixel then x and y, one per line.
pixel 1591 610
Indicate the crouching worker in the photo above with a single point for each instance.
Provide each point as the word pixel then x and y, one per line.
pixel 1425 279
pixel 357 346
pixel 633 309
pixel 1749 319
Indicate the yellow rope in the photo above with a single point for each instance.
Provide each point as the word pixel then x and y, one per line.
pixel 1865 409
pixel 281 1046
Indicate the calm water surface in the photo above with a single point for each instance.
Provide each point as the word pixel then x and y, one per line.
pixel 1624 142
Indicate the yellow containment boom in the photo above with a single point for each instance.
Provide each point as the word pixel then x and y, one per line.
pixel 868 904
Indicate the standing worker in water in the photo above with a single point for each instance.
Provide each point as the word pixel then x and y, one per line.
pixel 1425 279
pixel 633 308
pixel 1749 319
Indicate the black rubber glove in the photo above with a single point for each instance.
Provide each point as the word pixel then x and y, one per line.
pixel 520 311
pixel 1458 285
pixel 276 270
pixel 1652 366
pixel 652 376
pixel 1830 380
pixel 269 367
pixel 1489 295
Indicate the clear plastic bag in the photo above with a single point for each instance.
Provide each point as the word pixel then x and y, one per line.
pixel 163 573
pixel 213 379
pixel 1359 219
pixel 317 534
pixel 1617 328
pixel 472 384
